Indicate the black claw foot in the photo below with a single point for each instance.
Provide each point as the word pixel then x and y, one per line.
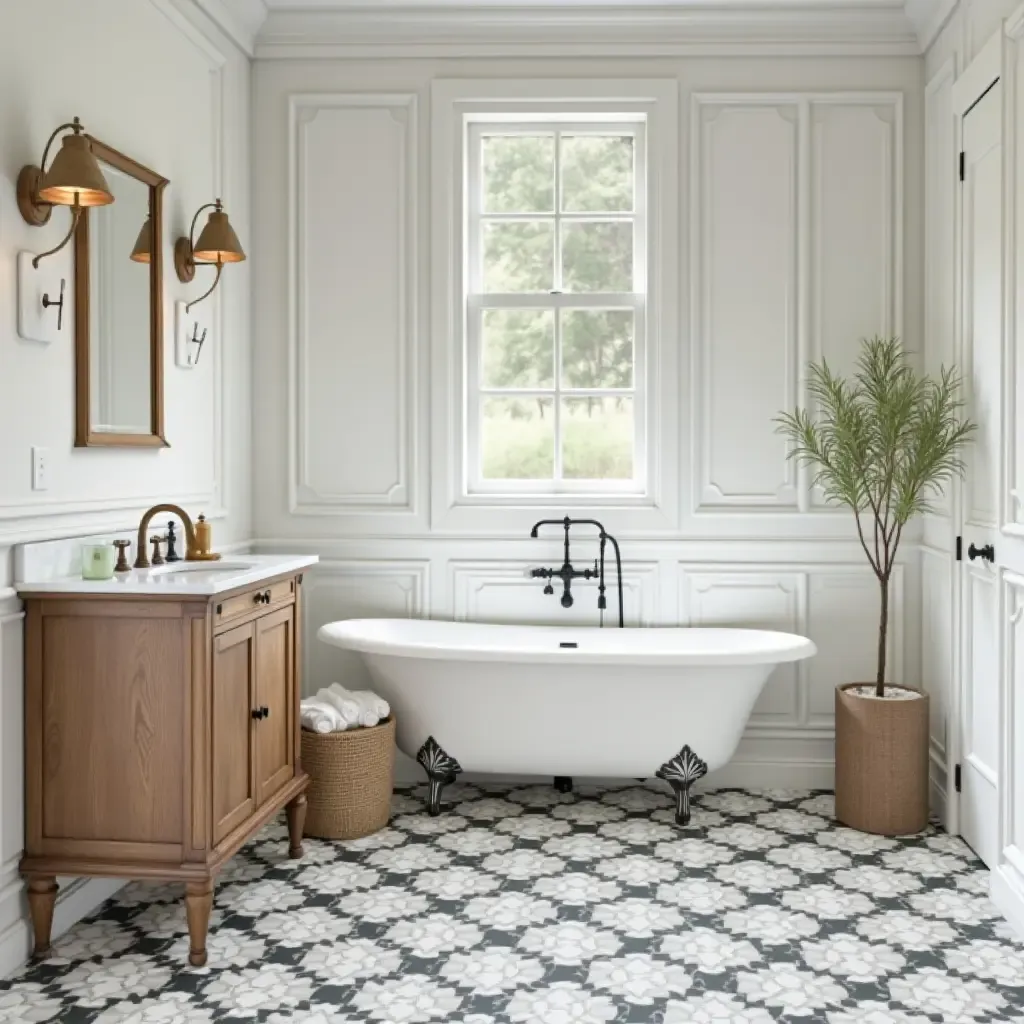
pixel 681 773
pixel 440 768
pixel 563 783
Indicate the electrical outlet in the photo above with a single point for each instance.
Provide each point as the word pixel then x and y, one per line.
pixel 40 469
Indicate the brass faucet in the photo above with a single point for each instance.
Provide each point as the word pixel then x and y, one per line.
pixel 194 550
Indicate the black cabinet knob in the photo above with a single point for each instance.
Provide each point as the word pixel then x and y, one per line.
pixel 264 712
pixel 256 714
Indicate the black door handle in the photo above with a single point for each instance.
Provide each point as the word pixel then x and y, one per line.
pixel 987 553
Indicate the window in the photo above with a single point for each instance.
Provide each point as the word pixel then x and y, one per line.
pixel 555 303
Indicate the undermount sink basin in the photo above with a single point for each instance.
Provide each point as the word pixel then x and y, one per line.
pixel 201 567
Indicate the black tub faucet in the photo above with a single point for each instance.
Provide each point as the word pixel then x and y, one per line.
pixel 567 572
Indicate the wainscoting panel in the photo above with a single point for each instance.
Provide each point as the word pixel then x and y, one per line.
pixel 844 609
pixel 745 221
pixel 758 600
pixel 502 592
pixel 353 309
pixel 341 589
pixel 937 647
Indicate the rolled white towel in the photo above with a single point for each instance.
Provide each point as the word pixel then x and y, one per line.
pixel 368 709
pixel 315 721
pixel 369 701
pixel 346 707
pixel 321 717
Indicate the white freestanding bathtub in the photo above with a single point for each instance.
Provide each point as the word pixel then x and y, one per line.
pixel 564 700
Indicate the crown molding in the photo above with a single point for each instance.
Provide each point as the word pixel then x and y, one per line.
pixel 929 18
pixel 754 27
pixel 240 20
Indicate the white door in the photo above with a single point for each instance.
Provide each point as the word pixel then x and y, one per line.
pixel 982 299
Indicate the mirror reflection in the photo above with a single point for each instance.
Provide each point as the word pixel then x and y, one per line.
pixel 119 310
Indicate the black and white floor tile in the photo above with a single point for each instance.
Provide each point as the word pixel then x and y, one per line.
pixel 526 906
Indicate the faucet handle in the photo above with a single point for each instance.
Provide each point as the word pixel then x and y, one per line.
pixel 122 559
pixel 157 558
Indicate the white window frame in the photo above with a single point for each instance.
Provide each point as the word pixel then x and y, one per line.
pixel 454 509
pixel 476 301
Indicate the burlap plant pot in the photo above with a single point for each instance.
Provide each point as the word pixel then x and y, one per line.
pixel 351 776
pixel 881 762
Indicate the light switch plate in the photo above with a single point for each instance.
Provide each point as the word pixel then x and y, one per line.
pixel 189 329
pixel 35 321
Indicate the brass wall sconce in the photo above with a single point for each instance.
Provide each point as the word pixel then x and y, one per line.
pixel 216 245
pixel 74 179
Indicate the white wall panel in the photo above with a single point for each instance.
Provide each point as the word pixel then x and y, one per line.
pixel 755 600
pixel 339 589
pixel 937 673
pixel 844 608
pixel 744 219
pixel 1013 756
pixel 857 273
pixel 500 591
pixel 353 298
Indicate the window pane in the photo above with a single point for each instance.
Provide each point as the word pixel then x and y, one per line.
pixel 517 439
pixel 519 173
pixel 518 349
pixel 597 348
pixel 597 173
pixel 597 257
pixel 518 257
pixel 597 438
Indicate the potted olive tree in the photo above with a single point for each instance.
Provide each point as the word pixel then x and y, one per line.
pixel 882 443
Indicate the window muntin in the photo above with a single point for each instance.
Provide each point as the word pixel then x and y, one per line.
pixel 555 266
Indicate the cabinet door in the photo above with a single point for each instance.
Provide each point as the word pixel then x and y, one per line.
pixel 275 697
pixel 233 766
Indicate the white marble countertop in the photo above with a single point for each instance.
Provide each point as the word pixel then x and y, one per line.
pixel 184 578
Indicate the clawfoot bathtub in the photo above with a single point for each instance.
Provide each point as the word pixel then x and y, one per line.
pixel 563 701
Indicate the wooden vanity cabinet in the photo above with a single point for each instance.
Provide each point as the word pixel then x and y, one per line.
pixel 161 733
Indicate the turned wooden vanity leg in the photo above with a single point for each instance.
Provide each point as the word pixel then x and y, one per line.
pixel 296 811
pixel 42 895
pixel 198 903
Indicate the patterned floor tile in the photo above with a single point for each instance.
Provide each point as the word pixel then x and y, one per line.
pixel 521 905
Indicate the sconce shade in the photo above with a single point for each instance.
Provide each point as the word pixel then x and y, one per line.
pixel 217 242
pixel 143 248
pixel 75 172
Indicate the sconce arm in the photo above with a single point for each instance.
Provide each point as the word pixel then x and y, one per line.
pixel 76 125
pixel 76 214
pixel 192 227
pixel 209 291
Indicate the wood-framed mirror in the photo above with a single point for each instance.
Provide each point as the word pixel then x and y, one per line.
pixel 119 316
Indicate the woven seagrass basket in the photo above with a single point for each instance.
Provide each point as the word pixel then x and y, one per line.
pixel 351 777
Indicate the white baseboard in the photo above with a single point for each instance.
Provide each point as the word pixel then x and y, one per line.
pixel 1007 892
pixel 78 898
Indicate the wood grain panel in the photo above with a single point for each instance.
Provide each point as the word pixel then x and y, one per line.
pixel 275 664
pixel 112 719
pixel 233 783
